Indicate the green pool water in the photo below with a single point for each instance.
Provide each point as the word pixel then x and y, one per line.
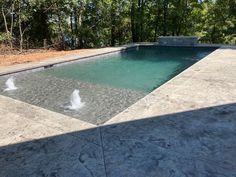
pixel 142 69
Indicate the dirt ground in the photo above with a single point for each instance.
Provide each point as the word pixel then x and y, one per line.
pixel 14 57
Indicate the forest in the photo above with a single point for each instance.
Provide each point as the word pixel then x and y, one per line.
pixel 72 24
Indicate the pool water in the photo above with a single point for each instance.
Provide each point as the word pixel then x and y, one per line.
pixel 143 69
pixel 108 84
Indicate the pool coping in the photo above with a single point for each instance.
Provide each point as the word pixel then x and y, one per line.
pixel 50 62
pixel 138 110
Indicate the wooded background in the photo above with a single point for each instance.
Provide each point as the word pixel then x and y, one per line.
pixel 71 24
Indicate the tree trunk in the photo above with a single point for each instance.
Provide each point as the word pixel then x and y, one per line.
pixel 78 24
pixel 12 22
pixel 112 24
pixel 141 20
pixel 20 28
pixel 185 16
pixel 45 46
pixel 157 22
pixel 173 26
pixel 165 9
pixel 60 29
pixel 112 35
pixel 179 20
pixel 9 34
pixel 72 30
pixel 76 27
pixel 133 28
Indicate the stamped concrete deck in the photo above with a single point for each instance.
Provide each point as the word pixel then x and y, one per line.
pixel 185 128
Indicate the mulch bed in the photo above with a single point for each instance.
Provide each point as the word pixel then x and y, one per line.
pixel 11 56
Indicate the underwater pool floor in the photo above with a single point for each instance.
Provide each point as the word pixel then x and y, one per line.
pixel 53 93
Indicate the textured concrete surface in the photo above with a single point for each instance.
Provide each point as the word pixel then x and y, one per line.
pixel 178 40
pixel 22 122
pixel 199 143
pixel 185 128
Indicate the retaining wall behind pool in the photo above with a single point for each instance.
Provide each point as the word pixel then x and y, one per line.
pixel 178 40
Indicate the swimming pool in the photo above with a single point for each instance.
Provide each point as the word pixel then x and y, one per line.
pixel 108 84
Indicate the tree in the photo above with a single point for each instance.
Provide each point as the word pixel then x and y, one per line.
pixel 98 23
pixel 8 12
pixel 219 22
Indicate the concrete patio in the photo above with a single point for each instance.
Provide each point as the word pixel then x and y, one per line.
pixel 186 127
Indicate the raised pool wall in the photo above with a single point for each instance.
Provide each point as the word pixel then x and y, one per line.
pixel 178 40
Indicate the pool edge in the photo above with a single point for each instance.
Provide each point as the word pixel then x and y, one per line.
pixel 18 68
pixel 111 121
pixel 140 109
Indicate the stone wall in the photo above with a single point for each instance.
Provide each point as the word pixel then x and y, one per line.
pixel 178 40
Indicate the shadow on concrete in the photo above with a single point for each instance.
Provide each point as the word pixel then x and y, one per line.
pixel 197 143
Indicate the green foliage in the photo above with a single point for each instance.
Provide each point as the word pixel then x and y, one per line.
pixel 219 22
pixel 3 37
pixel 99 23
